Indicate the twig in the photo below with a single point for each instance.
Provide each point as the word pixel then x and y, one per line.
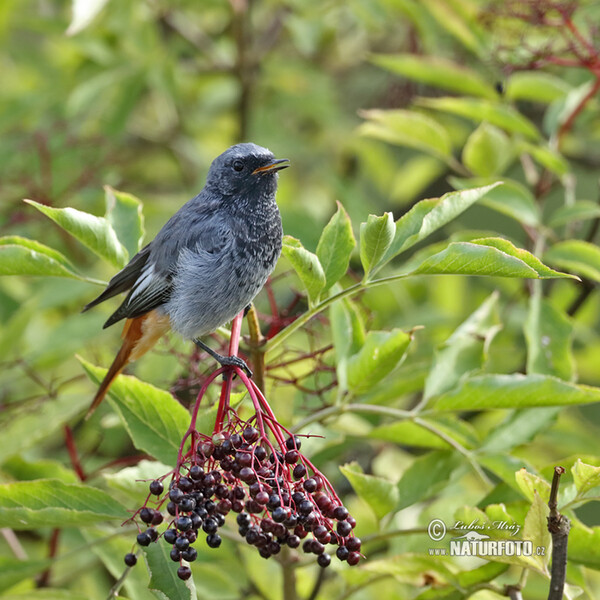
pixel 44 578
pixel 318 583
pixel 13 543
pixel 559 527
pixel 73 454
pixel 513 592
pixel 114 590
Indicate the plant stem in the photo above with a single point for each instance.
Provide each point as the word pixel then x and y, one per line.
pixel 289 577
pixel 256 341
pixel 559 527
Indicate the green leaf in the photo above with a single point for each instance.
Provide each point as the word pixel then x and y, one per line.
pixel 26 428
pixel 23 470
pixel 52 503
pixel 93 232
pixel 519 427
pixel 531 484
pixel 14 570
pixel 376 235
pixel 465 350
pixel 307 266
pixel 429 215
pixel 413 177
pixel 408 433
pixel 535 529
pixel 576 256
pixel 493 257
pixel 438 72
pixel 585 477
pixel 584 545
pixel 154 420
pixel 380 494
pixel 582 210
pixel 407 128
pixel 124 214
pixel 348 332
pixel 536 86
pixel 515 391
pixel 548 332
pixel 480 110
pixel 335 247
pixel 511 198
pixel 546 157
pixel 487 151
pixel 379 356
pixel 426 476
pixel 163 575
pixel 486 572
pixel 20 256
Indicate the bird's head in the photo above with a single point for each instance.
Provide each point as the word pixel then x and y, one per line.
pixel 245 169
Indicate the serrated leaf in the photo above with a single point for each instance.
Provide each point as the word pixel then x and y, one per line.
pixel 163 574
pixel 530 484
pixel 52 503
pixel 36 422
pixel 426 476
pixel 535 529
pixel 480 110
pixel 585 477
pixel 124 213
pixel 436 71
pixel 511 198
pixel 93 232
pixel 429 215
pixel 84 12
pixel 493 257
pixel 515 391
pixel 465 350
pixel 376 235
pixel 20 256
pixel 487 151
pixel 536 86
pixel 411 568
pixel 154 420
pixel 407 128
pixel 307 267
pixel 335 247
pixel 548 333
pixel 576 256
pixel 486 572
pixel 379 493
pixel 379 356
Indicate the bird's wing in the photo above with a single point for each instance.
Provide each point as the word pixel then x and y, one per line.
pixel 198 226
pixel 124 279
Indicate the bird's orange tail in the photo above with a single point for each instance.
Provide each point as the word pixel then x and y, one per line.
pixel 139 335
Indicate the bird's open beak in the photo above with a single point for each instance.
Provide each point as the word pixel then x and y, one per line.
pixel 275 165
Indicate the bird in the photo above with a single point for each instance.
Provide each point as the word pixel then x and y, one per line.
pixel 205 265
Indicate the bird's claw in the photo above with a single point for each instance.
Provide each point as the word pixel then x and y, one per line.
pixel 236 361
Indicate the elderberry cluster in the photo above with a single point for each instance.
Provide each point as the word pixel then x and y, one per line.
pixel 279 498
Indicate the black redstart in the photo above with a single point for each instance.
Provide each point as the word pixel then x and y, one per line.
pixel 206 264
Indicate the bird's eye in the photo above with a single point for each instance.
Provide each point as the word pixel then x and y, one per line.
pixel 238 165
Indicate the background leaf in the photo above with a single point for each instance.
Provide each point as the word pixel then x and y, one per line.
pixel 93 232
pixel 124 214
pixel 307 266
pixel 335 247
pixel 375 238
pixel 52 503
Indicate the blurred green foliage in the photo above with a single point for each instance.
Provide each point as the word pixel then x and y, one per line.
pixel 443 396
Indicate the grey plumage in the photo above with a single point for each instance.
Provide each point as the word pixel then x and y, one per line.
pixel 214 255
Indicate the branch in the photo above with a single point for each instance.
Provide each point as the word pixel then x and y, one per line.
pixel 559 527
pixel 256 341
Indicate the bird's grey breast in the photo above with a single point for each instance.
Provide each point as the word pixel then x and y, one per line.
pixel 211 287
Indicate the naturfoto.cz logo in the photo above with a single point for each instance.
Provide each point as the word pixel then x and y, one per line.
pixel 475 543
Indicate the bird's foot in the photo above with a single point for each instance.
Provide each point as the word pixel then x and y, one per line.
pixel 225 361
